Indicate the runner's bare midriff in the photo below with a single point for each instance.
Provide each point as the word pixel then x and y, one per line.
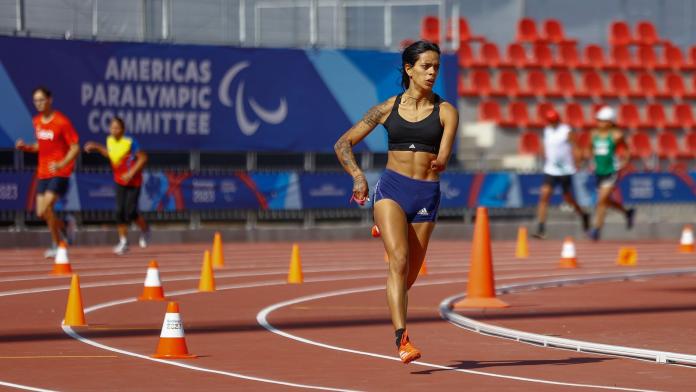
pixel 415 165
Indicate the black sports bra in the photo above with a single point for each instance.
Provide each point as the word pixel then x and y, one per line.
pixel 424 135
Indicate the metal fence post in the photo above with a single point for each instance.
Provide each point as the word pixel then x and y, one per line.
pixel 21 17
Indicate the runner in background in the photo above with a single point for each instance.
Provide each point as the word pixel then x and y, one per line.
pixel 605 140
pixel 561 153
pixel 127 161
pixel 57 147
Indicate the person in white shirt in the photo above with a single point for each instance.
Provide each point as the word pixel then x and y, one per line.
pixel 560 152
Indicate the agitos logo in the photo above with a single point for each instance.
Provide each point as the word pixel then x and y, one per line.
pixel 246 125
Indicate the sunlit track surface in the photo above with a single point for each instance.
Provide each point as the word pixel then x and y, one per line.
pixel 237 353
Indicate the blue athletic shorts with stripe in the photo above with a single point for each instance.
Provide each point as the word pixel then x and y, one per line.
pixel 419 199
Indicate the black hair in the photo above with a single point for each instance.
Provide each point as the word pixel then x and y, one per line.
pixel 43 90
pixel 410 56
pixel 120 122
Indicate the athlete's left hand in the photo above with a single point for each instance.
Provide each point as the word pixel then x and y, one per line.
pixel 437 166
pixel 127 176
pixel 54 167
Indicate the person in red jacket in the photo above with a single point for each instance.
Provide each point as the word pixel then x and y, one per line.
pixel 127 161
pixel 57 147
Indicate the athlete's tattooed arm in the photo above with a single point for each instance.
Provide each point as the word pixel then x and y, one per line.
pixel 344 146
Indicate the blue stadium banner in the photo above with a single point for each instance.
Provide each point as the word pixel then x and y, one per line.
pixel 15 190
pixel 326 190
pixel 209 98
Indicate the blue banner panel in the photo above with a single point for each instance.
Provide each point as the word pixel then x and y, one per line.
pixel 97 191
pixel 14 190
pixel 326 190
pixel 212 98
pixel 216 192
pixel 530 185
pixel 657 188
pixel 455 189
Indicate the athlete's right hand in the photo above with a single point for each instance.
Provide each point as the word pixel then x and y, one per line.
pixel 360 188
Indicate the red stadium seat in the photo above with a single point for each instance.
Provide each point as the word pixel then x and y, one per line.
pixel 490 111
pixel 674 86
pixel 646 33
pixel 691 144
pixel 584 139
pixel 479 84
pixel 668 146
pixel 672 58
pixel 516 56
pixel 465 56
pixel 565 85
pixel 553 32
pixel 691 60
pixel 465 34
pixel 568 56
pixel 646 57
pixel 490 55
pixel 683 116
pixel 647 86
pixel 518 115
pixel 530 143
pixel 536 83
pixel 542 109
pixel 594 57
pixel 620 33
pixel 641 147
pixel 620 86
pixel 508 84
pixel 430 29
pixel 575 116
pixel 542 56
pixel 461 87
pixel 656 117
pixel 629 116
pixel 621 57
pixel 592 84
pixel 527 31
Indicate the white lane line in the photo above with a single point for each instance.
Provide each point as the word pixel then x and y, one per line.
pixel 25 387
pixel 262 319
pixel 80 338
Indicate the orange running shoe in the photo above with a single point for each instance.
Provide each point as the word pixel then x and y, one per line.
pixel 407 352
pixel 375 231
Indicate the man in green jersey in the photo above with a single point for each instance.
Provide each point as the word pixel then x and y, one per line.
pixel 606 137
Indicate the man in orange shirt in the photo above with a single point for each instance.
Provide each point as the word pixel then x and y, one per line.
pixel 57 146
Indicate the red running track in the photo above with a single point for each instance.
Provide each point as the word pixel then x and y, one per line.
pixel 340 342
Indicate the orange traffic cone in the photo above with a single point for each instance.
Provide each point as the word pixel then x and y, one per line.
pixel 568 259
pixel 74 313
pixel 61 264
pixel 522 251
pixel 627 256
pixel 172 344
pixel 481 286
pixel 295 271
pixel 218 257
pixel 207 282
pixel 152 291
pixel 686 244
pixel 423 271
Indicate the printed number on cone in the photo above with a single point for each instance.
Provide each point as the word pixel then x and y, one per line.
pixel 172 343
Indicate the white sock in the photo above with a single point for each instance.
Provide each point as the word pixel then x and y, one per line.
pixel 123 240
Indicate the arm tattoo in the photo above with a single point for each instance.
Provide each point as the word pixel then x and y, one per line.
pixel 373 116
pixel 344 151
